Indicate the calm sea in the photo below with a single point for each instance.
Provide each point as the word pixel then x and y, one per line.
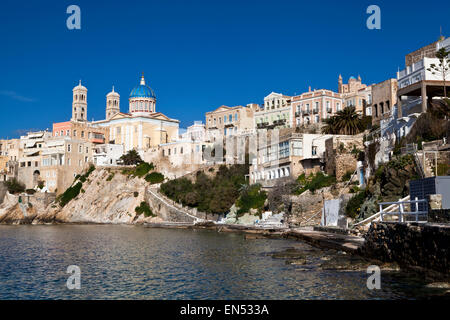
pixel 134 262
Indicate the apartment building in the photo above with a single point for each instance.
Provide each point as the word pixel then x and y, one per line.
pixel 231 120
pixel 275 113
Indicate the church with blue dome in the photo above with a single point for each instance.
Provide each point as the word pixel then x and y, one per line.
pixel 141 128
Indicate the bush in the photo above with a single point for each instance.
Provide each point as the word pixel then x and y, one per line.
pixel 110 177
pixel 314 182
pixel 353 206
pixel 347 175
pixel 154 177
pixel 209 194
pixel 251 198
pixel 144 208
pixel 142 169
pixel 71 193
pixel 136 194
pixel 131 158
pixel 41 184
pixel 14 186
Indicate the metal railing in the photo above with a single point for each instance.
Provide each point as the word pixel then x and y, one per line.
pixel 402 214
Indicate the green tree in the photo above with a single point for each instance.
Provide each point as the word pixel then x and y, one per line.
pixel 443 68
pixel 131 158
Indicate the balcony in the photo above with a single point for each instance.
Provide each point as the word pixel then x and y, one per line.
pixel 307 111
pixel 316 110
pixel 298 113
pixel 229 125
pixel 329 110
pixel 262 125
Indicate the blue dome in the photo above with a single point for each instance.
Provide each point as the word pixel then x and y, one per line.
pixel 142 91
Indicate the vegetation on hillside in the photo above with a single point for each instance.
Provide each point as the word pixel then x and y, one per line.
pixel 209 194
pixel 14 186
pixel 251 197
pixel 144 208
pixel 314 182
pixel 71 193
pixel 154 177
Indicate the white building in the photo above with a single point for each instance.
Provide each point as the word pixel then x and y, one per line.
pixel 107 154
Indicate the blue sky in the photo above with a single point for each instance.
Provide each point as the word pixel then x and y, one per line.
pixel 196 55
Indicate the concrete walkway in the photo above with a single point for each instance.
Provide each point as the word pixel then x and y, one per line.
pixel 346 243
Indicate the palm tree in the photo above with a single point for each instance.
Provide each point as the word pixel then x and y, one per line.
pixel 346 121
pixel 131 158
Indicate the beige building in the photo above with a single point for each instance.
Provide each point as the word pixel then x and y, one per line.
pixel 353 93
pixel 384 99
pixel 275 113
pixel 53 160
pixel 231 120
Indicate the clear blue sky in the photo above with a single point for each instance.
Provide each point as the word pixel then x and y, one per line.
pixel 196 55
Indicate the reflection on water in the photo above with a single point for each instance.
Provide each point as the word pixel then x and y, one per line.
pixel 132 262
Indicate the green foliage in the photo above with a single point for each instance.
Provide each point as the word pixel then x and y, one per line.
pixel 142 169
pixel 211 195
pixel 314 182
pixel 154 177
pixel 347 175
pixel 144 208
pixel 131 158
pixel 84 176
pixel 251 198
pixel 346 121
pixel 400 162
pixel 14 186
pixel 353 206
pixel 136 194
pixel 40 184
pixel 71 193
pixel 110 177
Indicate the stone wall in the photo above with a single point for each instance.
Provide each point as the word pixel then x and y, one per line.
pixel 2 191
pixel 338 156
pixel 439 216
pixel 411 245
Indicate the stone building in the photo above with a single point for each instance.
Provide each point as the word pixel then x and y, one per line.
pixel 384 95
pixel 341 154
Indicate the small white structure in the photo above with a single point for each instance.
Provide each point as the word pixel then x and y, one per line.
pixel 107 154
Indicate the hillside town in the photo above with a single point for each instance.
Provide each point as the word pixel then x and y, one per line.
pixel 338 161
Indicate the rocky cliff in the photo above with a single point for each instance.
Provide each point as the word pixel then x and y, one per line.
pixel 107 196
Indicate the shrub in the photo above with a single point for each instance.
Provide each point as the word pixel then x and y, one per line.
pixel 142 169
pixel 314 182
pixel 251 198
pixel 209 194
pixel 145 209
pixel 131 158
pixel 40 184
pixel 71 193
pixel 110 177
pixel 353 206
pixel 14 186
pixel 347 175
pixel 136 194
pixel 154 177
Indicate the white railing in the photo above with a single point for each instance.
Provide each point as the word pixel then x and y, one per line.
pixel 402 214
pixel 376 216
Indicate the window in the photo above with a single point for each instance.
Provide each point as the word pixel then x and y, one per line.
pixel 69 148
pixel 284 149
pixel 79 149
pixel 224 119
pixel 68 133
pixel 181 150
pixel 314 150
pixel 230 118
pixel 236 117
pixel 87 149
pixel 297 148
pixel 82 134
pixel 74 133
pixel 61 132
